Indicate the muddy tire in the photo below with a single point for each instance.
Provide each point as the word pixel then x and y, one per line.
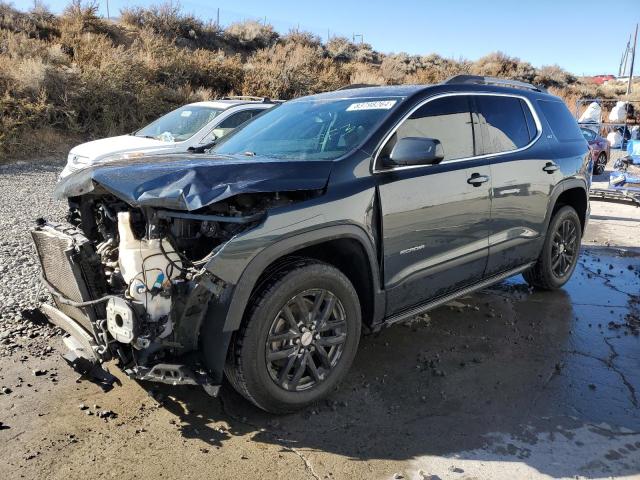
pixel 298 338
pixel 560 252
pixel 600 164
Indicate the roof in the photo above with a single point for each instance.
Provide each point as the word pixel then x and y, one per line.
pixel 368 92
pixel 460 83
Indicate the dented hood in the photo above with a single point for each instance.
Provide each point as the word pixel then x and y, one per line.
pixel 190 182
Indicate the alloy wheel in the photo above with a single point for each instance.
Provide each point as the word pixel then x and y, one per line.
pixel 306 340
pixel 564 249
pixel 601 164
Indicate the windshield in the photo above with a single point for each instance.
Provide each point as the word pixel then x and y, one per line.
pixel 180 124
pixel 309 130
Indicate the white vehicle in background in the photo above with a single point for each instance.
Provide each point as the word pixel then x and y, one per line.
pixel 191 128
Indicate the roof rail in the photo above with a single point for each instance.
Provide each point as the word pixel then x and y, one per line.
pixel 249 98
pixel 499 82
pixel 357 85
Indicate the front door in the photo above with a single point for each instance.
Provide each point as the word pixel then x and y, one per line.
pixel 435 217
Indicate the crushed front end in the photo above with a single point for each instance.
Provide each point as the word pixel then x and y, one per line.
pixel 128 273
pixel 124 288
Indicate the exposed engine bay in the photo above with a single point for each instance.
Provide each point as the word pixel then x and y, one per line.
pixel 136 279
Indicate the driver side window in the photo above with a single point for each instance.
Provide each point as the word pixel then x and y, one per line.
pixel 446 119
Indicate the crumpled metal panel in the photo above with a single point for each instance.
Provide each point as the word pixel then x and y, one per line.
pixel 190 182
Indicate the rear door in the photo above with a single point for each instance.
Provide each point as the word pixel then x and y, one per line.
pixel 435 217
pixel 522 179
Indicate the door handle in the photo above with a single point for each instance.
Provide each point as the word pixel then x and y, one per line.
pixel 476 179
pixel 550 167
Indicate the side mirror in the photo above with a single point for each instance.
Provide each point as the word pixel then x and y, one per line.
pixel 415 151
pixel 201 148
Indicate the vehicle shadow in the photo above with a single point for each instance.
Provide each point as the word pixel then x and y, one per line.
pixel 492 376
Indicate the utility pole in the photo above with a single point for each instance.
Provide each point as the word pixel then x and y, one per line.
pixel 218 17
pixel 633 57
pixel 108 16
pixel 623 60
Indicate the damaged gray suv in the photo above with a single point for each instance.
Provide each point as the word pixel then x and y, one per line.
pixel 263 261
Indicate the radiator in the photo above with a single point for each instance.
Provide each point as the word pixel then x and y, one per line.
pixel 70 263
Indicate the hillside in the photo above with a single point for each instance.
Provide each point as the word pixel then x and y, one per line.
pixel 70 77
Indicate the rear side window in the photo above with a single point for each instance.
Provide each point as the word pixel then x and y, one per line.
pixel 447 119
pixel 563 125
pixel 238 119
pixel 505 123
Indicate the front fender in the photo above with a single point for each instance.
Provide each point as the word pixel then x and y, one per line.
pixel 243 260
pixel 225 313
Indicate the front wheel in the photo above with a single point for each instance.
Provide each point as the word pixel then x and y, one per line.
pixel 298 338
pixel 559 255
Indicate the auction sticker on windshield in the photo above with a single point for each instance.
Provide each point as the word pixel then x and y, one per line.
pixel 378 105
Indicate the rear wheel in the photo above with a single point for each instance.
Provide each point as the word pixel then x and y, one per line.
pixel 298 339
pixel 560 252
pixel 601 164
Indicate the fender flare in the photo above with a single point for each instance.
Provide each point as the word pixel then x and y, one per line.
pixel 224 315
pixel 559 189
pixel 281 248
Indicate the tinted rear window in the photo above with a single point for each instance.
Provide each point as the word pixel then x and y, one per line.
pixel 505 123
pixel 562 123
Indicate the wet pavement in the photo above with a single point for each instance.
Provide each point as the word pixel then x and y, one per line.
pixel 505 383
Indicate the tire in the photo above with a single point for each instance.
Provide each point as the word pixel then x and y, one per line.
pixel 547 273
pixel 601 164
pixel 280 302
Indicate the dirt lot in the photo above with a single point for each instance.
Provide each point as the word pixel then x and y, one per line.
pixel 507 383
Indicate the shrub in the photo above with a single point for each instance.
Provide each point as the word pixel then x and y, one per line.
pixel 341 49
pixel 367 75
pixel 37 23
pixel 250 35
pixel 289 70
pixel 498 64
pixel 553 76
pixel 306 39
pixel 168 20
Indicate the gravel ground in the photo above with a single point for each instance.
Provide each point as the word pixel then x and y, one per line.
pixel 26 194
pixel 506 383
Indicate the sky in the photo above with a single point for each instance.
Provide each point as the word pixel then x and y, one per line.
pixel 585 37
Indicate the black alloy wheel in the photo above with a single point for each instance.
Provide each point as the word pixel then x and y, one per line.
pixel 306 340
pixel 564 248
pixel 559 255
pixel 298 338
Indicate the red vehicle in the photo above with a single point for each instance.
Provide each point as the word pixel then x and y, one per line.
pixel 600 150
